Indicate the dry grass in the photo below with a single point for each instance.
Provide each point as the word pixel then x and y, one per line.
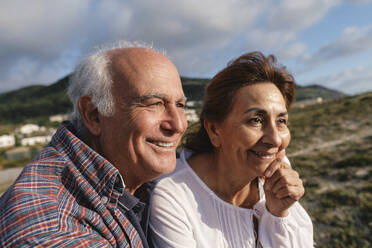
pixel 332 149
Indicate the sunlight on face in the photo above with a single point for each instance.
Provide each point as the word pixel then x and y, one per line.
pixel 255 130
pixel 141 137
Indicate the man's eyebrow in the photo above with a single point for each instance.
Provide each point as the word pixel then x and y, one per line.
pixel 143 98
pixel 148 96
pixel 183 99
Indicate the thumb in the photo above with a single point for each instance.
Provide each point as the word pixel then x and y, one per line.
pixel 280 155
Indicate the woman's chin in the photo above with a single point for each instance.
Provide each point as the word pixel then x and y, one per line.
pixel 262 164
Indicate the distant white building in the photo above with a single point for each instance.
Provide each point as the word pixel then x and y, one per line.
pixel 29 128
pixel 194 104
pixel 31 141
pixel 58 118
pixel 191 115
pixel 190 103
pixel 7 141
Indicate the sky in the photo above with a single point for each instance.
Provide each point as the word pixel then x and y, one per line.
pixel 324 42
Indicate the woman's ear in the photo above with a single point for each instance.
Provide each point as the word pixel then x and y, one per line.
pixel 212 131
pixel 89 114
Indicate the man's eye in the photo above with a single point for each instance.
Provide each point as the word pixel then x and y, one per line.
pixel 181 105
pixel 156 104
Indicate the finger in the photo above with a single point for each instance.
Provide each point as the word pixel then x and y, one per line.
pixel 285 165
pixel 272 168
pixel 281 155
pixel 293 192
pixel 270 182
pixel 286 178
pixel 275 164
pixel 283 177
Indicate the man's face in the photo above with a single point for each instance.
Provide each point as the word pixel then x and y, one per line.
pixel 140 139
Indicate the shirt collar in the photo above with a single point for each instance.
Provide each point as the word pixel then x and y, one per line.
pixel 99 172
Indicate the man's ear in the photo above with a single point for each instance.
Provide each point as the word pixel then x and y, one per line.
pixel 89 114
pixel 211 129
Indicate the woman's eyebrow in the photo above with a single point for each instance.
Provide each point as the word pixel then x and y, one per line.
pixel 263 112
pixel 258 110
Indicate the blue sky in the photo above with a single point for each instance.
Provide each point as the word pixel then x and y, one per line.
pixel 325 42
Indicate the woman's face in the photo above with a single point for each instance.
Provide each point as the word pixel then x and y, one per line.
pixel 256 129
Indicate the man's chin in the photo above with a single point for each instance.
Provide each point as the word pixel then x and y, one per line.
pixel 163 166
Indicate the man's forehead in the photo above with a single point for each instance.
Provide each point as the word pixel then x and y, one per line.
pixel 143 73
pixel 131 64
pixel 133 59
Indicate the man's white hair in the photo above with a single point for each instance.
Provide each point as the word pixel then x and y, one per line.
pixel 92 77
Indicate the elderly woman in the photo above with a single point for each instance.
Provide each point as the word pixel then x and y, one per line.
pixel 234 186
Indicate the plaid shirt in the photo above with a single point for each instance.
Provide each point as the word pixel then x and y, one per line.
pixel 66 197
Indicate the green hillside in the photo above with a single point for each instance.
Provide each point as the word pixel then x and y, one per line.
pixel 34 101
pixel 331 147
pixel 315 91
pixel 194 87
pixel 42 101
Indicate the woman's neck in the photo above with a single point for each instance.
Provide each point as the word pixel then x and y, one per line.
pixel 227 184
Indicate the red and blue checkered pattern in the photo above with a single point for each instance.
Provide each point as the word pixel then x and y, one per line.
pixel 57 200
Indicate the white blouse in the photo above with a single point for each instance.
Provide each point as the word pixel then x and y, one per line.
pixel 186 213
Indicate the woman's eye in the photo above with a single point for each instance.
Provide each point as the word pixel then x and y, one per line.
pixel 283 121
pixel 255 121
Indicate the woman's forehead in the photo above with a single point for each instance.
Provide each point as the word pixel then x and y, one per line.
pixel 261 96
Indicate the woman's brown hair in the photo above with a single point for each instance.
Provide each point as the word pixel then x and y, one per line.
pixel 250 68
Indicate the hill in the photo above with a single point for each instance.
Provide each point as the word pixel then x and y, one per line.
pixel 194 87
pixel 314 91
pixel 42 101
pixel 34 101
pixel 331 148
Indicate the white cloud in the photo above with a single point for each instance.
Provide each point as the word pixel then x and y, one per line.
pixel 283 23
pixel 39 28
pixel 360 1
pixel 292 51
pixel 36 35
pixel 297 15
pixel 352 81
pixel 353 40
pixel 34 71
pixel 186 29
pixel 199 36
pixel 193 30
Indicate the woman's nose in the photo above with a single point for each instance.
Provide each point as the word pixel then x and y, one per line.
pixel 272 136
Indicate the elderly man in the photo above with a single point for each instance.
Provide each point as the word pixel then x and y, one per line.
pixel 127 121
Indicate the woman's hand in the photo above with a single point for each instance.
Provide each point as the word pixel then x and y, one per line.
pixel 283 187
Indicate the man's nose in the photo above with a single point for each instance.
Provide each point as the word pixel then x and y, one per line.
pixel 175 120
